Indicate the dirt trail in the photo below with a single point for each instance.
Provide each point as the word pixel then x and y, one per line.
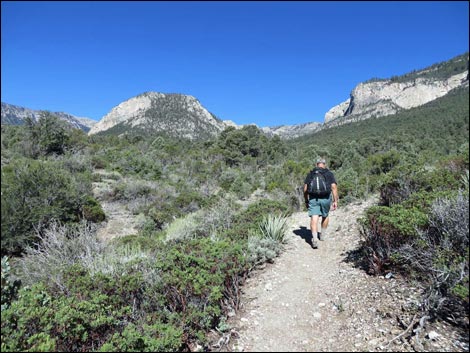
pixel 119 221
pixel 315 300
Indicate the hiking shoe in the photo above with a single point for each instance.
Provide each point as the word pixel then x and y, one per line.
pixel 314 244
pixel 321 235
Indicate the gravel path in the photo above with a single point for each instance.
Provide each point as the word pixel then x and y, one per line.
pixel 314 300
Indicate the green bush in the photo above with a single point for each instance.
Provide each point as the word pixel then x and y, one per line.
pixel 385 229
pixel 439 256
pixel 131 161
pixel 9 286
pixel 42 321
pixel 98 162
pixel 130 189
pixel 33 194
pixel 153 337
pixel 248 220
pixel 92 210
pixel 200 280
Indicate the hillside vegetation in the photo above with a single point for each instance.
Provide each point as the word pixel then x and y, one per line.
pixel 202 229
pixel 438 71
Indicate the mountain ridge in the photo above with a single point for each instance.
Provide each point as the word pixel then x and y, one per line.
pixel 181 115
pixel 15 115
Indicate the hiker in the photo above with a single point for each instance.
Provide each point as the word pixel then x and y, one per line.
pixel 318 197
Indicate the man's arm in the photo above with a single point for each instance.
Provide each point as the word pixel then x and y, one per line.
pixel 306 195
pixel 334 189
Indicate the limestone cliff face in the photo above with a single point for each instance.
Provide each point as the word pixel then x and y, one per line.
pixel 380 98
pixel 132 111
pixel 337 111
pixel 176 114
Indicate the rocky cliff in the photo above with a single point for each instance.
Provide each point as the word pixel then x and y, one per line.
pixel 378 97
pixel 151 112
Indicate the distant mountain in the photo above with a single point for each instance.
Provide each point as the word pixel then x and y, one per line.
pixel 292 131
pixel 382 97
pixel 15 115
pixel 180 115
pixel 151 112
pixel 177 115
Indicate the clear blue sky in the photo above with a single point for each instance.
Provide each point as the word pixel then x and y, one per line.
pixel 269 63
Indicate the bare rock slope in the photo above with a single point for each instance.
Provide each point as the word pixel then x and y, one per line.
pixel 385 97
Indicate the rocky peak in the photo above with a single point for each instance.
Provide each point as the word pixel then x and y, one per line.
pixel 175 114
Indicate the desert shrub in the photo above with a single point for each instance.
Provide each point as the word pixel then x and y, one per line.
pixel 9 285
pixel 190 200
pixel 58 247
pixel 140 204
pixel 131 161
pixel 217 218
pixel 64 246
pixel 98 162
pixel 241 187
pixel 249 219
pixel 403 182
pixel 261 250
pixel 146 226
pixel 93 308
pixel 200 280
pixel 152 337
pixel 383 162
pixel 33 194
pixel 277 177
pixel 130 189
pixel 92 210
pixel 76 162
pixel 385 229
pixel 182 228
pixel 439 256
pixel 227 178
pixel 350 187
pixel 149 242
pixel 162 214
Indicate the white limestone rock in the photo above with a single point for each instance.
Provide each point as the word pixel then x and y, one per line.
pixel 381 98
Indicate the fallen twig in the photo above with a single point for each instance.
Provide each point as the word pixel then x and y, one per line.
pixel 410 326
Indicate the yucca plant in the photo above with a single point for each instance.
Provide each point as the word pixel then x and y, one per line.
pixel 274 227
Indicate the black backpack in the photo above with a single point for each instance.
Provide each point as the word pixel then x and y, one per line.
pixel 318 185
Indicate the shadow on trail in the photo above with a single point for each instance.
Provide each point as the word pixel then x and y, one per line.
pixel 305 234
pixel 357 258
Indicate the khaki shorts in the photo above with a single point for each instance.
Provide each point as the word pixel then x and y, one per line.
pixel 320 207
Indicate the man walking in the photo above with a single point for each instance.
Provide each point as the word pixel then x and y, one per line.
pixel 320 190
